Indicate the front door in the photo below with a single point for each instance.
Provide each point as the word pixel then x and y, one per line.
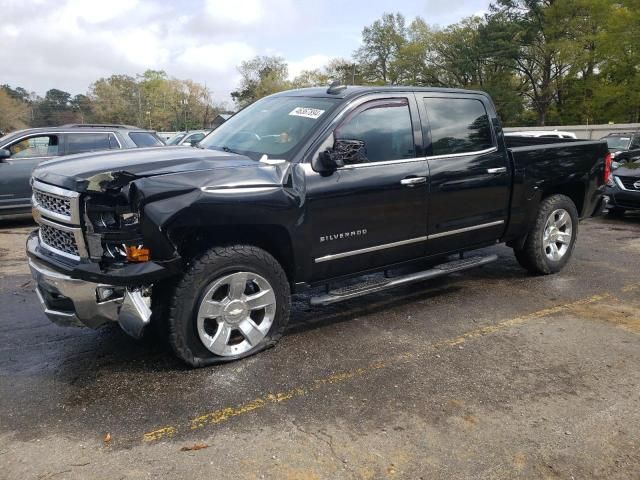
pixel 372 211
pixel 15 171
pixel 470 176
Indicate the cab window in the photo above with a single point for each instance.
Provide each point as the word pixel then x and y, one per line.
pixel 384 127
pixel 458 125
pixel 37 146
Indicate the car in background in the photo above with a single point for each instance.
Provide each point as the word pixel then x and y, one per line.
pixel 23 150
pixel 192 137
pixel 624 146
pixel 542 134
pixel 623 187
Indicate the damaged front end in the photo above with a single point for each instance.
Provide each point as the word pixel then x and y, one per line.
pixel 90 260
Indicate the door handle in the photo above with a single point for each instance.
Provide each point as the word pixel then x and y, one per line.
pixel 496 171
pixel 412 181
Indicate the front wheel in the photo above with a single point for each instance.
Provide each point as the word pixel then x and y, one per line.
pixel 231 303
pixel 552 238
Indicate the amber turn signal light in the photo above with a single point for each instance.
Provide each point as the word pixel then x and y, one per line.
pixel 138 254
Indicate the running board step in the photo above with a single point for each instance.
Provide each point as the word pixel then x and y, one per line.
pixel 353 291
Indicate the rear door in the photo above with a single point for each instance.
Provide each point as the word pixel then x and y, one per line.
pixel 371 213
pixel 469 174
pixel 15 172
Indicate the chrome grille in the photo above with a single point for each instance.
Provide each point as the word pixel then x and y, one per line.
pixel 58 212
pixel 629 182
pixel 53 203
pixel 60 240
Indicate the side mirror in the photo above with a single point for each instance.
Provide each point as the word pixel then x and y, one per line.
pixel 344 152
pixel 194 142
pixel 4 154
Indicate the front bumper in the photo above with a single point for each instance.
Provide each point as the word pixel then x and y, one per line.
pixel 69 301
pixel 623 198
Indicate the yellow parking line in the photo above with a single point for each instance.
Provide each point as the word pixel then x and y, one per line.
pixel 223 414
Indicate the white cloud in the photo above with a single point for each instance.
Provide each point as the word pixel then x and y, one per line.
pixel 308 63
pixel 239 12
pixel 216 57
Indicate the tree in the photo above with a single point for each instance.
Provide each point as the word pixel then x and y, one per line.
pixel 261 76
pixel 381 43
pixel 14 112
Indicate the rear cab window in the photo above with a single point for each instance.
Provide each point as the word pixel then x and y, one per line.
pixel 458 125
pixel 145 139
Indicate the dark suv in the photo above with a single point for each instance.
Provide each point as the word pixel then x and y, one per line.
pixel 624 147
pixel 22 151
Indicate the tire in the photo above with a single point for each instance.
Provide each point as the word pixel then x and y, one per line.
pixel 616 212
pixel 538 254
pixel 209 305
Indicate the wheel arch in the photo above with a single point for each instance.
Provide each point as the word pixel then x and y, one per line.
pixel 274 239
pixel 574 190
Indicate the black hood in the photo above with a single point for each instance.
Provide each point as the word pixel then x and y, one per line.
pixel 99 171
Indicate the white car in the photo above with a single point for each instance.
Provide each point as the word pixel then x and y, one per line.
pixel 542 134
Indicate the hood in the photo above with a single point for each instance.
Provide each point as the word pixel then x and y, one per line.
pixel 631 169
pixel 100 171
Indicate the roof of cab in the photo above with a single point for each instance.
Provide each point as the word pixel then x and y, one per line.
pixel 351 91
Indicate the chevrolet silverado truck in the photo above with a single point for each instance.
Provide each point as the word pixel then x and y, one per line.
pixel 302 189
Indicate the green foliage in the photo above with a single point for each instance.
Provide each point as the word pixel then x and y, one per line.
pixel 261 76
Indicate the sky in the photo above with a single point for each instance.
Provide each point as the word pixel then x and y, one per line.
pixel 68 44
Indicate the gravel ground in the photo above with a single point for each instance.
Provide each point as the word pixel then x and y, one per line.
pixel 490 373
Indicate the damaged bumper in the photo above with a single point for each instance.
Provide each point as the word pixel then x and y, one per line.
pixel 69 301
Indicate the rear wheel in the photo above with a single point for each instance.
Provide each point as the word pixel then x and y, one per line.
pixel 232 302
pixel 551 240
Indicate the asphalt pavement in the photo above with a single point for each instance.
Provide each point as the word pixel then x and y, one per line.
pixel 486 374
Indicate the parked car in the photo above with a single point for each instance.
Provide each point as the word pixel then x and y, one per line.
pixel 22 151
pixel 301 189
pixel 623 187
pixel 191 137
pixel 624 147
pixel 542 134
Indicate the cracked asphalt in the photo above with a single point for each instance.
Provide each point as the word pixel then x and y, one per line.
pixel 486 374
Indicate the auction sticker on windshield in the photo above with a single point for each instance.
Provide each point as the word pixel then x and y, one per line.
pixel 306 112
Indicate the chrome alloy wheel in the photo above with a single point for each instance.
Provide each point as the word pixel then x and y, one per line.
pixel 236 313
pixel 556 238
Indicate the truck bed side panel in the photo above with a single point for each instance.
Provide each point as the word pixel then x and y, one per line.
pixel 575 169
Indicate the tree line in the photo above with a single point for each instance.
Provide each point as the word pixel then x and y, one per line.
pixel 543 62
pixel 150 100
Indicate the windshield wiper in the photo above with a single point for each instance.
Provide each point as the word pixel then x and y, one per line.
pixel 229 150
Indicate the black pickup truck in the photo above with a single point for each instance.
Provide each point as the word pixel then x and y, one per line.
pixel 301 189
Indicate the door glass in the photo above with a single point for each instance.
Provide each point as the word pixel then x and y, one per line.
pixel 40 146
pixel 144 139
pixel 87 142
pixel 458 125
pixel 384 127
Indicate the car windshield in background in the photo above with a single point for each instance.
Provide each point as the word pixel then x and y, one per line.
pixel 274 126
pixel 619 143
pixel 176 139
pixel 145 139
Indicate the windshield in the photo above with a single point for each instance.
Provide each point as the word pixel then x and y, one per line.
pixel 618 143
pixel 175 139
pixel 273 126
